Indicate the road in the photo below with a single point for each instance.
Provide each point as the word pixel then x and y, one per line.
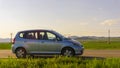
pixel 87 53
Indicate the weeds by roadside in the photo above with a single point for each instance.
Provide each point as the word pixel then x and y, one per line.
pixel 60 62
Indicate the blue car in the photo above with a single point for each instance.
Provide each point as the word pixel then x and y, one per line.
pixel 44 42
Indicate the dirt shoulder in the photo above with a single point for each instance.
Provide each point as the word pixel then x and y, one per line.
pixel 91 53
pixel 6 54
pixel 102 53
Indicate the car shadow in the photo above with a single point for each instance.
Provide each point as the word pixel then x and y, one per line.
pixel 81 57
pixel 91 57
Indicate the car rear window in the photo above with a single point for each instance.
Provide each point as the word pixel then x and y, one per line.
pixel 21 35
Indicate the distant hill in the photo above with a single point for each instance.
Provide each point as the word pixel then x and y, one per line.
pixel 85 37
pixel 4 39
pixel 94 38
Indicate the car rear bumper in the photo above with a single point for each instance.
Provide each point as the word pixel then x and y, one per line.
pixel 13 48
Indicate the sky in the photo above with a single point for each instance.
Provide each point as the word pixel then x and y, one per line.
pixel 68 17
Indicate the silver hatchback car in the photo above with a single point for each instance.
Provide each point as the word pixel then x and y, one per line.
pixel 44 42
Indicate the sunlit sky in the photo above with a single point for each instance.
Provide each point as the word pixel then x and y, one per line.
pixel 68 17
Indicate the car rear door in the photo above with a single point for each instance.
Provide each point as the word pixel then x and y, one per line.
pixel 30 42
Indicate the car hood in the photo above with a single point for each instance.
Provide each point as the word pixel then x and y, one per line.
pixel 74 42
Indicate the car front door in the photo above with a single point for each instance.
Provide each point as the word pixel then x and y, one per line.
pixel 49 43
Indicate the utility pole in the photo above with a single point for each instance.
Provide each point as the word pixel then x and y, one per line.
pixel 109 36
pixel 11 37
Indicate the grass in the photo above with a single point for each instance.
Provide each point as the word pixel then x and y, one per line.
pixel 5 46
pixel 60 62
pixel 101 44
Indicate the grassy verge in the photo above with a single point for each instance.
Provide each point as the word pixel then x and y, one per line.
pixel 60 62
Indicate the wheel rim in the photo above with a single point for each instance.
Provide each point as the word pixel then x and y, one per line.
pixel 20 53
pixel 67 52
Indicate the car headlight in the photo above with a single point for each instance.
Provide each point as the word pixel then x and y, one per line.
pixel 74 43
pixel 77 44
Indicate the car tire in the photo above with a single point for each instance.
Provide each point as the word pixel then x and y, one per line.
pixel 68 52
pixel 20 53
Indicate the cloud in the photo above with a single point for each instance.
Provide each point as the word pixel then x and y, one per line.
pixel 110 22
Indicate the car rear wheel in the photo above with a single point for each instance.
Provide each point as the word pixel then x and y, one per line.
pixel 20 53
pixel 68 52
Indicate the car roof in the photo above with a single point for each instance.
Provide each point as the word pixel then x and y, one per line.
pixel 35 30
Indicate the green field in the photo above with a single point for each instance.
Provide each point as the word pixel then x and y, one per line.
pixel 88 44
pixel 5 46
pixel 101 44
pixel 60 62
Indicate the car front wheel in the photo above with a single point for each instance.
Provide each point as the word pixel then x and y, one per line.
pixel 68 52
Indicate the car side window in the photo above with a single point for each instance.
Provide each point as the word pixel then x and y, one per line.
pixel 21 35
pixel 41 35
pixel 51 36
pixel 29 35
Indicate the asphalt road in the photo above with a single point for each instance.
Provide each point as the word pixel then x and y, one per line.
pixel 87 53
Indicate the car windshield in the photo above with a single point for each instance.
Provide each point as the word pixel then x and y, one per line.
pixel 65 38
pixel 59 34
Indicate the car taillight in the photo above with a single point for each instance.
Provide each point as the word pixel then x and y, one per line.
pixel 13 41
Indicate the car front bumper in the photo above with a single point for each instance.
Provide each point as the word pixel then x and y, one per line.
pixel 79 50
